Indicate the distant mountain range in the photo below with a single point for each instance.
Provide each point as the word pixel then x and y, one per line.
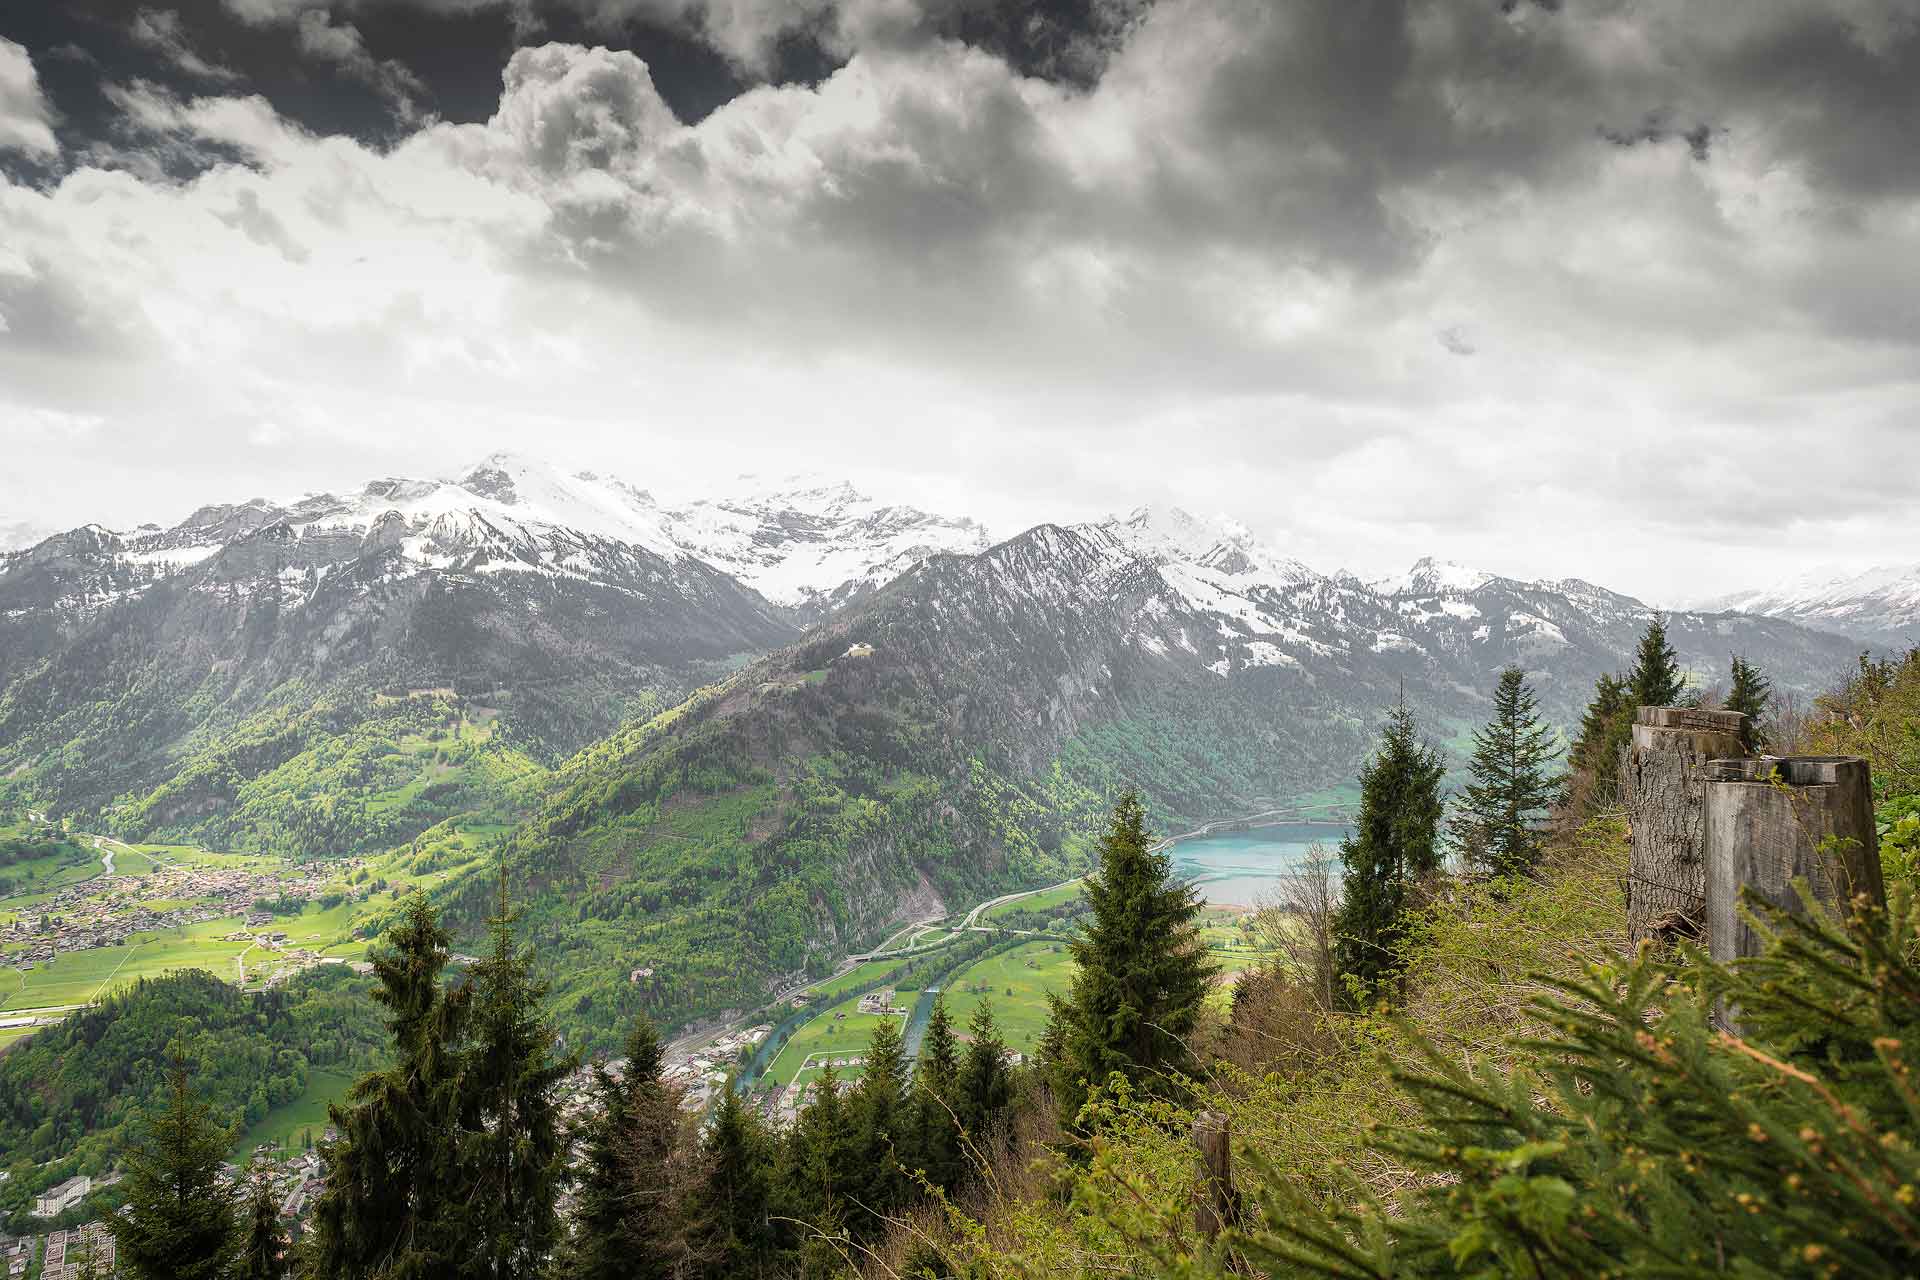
pixel 1879 606
pixel 892 713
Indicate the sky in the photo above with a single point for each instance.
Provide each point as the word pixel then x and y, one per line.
pixel 1627 290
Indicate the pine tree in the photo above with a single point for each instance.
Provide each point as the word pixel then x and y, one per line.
pixel 626 1222
pixel 986 1082
pixel 1594 760
pixel 880 1115
pixel 735 1241
pixel 1632 1137
pixel 1395 846
pixel 1655 680
pixel 816 1168
pixel 179 1222
pixel 264 1254
pixel 396 1173
pixel 1497 817
pixel 935 1078
pixel 516 1146
pixel 1141 972
pixel 1751 696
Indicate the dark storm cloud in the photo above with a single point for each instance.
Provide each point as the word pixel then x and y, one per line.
pixel 1375 251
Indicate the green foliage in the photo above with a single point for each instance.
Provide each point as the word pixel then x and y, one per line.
pixel 1393 849
pixel 1655 680
pixel 1497 816
pixel 627 1222
pixel 179 1221
pixel 262 1255
pixel 71 1093
pixel 1752 696
pixel 1632 1138
pixel 1142 971
pixel 1594 759
pixel 731 1231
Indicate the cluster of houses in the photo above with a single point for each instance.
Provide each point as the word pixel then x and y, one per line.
pixel 107 910
pixel 702 1071
pixel 881 1002
pixel 84 1253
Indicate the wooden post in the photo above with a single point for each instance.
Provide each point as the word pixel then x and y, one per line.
pixel 1664 787
pixel 1766 822
pixel 1215 1203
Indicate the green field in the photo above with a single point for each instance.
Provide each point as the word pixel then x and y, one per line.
pixel 291 1123
pixel 1044 901
pixel 1029 971
pixel 828 1034
pixel 81 977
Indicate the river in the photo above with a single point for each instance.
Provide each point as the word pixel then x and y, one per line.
pixel 1241 868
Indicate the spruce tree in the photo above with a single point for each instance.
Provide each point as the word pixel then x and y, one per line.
pixel 881 1129
pixel 264 1254
pixel 816 1173
pixel 1141 972
pixel 1395 846
pixel 396 1174
pixel 1497 817
pixel 626 1218
pixel 935 1076
pixel 516 1148
pixel 1751 696
pixel 735 1240
pixel 179 1221
pixel 986 1082
pixel 1655 680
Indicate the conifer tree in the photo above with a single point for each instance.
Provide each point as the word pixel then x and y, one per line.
pixel 626 1219
pixel 1594 758
pixel 396 1174
pixel 179 1221
pixel 1655 680
pixel 1141 972
pixel 735 1239
pixel 986 1082
pixel 816 1168
pixel 517 1150
pixel 1751 696
pixel 264 1254
pixel 935 1078
pixel 1395 846
pixel 1497 817
pixel 880 1112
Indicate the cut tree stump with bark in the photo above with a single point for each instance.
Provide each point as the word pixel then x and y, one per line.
pixel 1663 783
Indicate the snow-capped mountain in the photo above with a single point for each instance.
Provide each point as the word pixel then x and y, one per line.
pixel 1881 605
pixel 812 545
pixel 807 546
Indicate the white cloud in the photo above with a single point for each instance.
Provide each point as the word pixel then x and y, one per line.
pixel 1243 271
pixel 162 30
pixel 319 36
pixel 26 118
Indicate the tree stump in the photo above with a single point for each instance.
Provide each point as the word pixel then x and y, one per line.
pixel 1664 786
pixel 1775 819
pixel 1215 1203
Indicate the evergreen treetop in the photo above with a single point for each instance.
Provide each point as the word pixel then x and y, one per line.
pixel 1752 696
pixel 1141 971
pixel 1655 680
pixel 1395 846
pixel 1498 816
pixel 179 1222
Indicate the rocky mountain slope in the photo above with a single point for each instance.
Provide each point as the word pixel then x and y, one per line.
pixel 1880 605
pixel 962 729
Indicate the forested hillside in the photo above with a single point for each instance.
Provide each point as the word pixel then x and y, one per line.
pixel 70 1095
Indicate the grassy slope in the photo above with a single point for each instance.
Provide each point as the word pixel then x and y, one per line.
pixel 1472 970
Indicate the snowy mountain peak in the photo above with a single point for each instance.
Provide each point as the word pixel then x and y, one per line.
pixel 1431 577
pixel 1882 603
pixel 1170 535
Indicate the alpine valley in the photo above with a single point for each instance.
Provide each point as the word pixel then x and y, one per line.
pixel 719 745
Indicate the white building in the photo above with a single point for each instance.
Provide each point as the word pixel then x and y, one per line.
pixel 63 1197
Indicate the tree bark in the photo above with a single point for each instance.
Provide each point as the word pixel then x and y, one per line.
pixel 1664 787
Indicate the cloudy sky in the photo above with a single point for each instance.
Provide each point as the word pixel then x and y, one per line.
pixel 1622 289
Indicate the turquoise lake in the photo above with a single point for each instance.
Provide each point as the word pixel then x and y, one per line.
pixel 1241 868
